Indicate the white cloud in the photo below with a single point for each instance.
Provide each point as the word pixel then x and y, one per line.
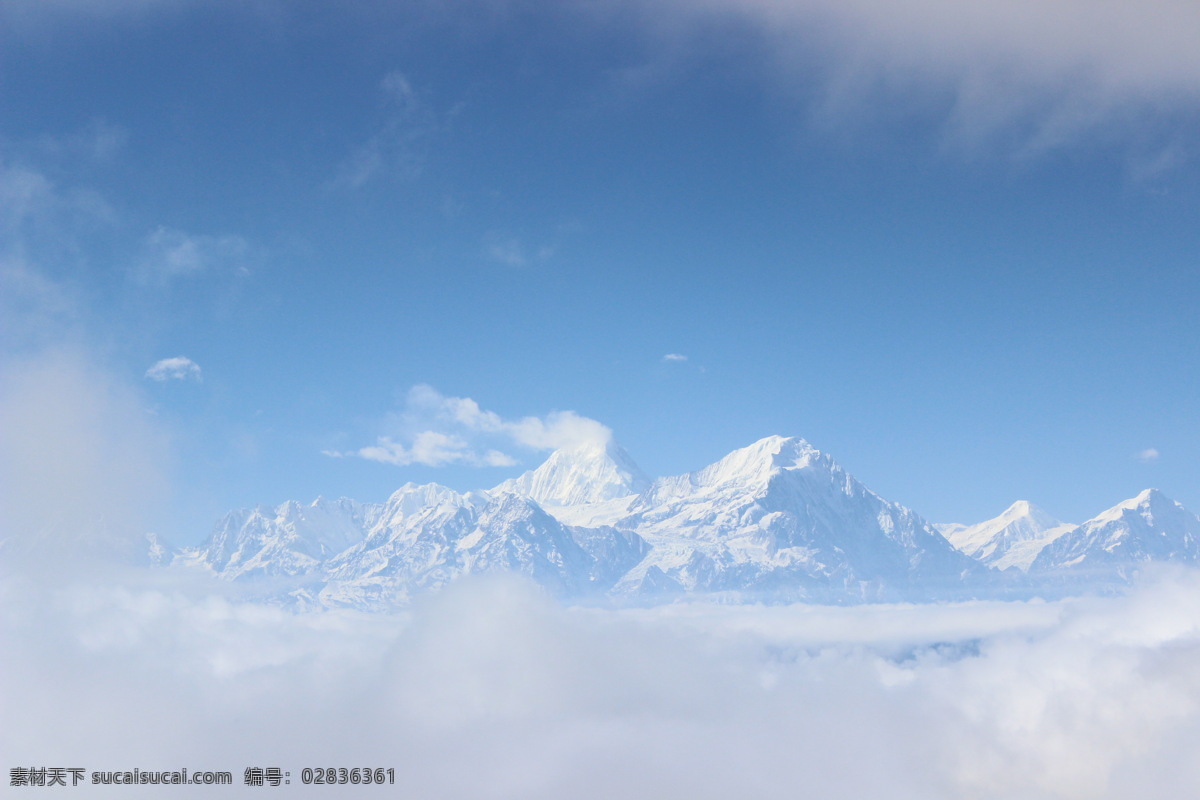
pixel 436 430
pixel 676 357
pixel 1147 456
pixel 179 368
pixel 556 430
pixel 168 253
pixel 1094 699
pixel 433 449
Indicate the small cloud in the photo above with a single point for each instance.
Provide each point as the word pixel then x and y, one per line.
pixel 430 448
pixel 1147 456
pixel 179 368
pixel 669 357
pixel 435 430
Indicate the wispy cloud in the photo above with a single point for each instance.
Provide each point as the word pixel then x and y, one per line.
pixel 37 214
pixel 674 357
pixel 513 252
pixel 42 229
pixel 1147 456
pixel 33 308
pixel 1025 74
pixel 508 251
pixel 168 254
pixel 97 141
pixel 397 148
pixel 179 368
pixel 436 430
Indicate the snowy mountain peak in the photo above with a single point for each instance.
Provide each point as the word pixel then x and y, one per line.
pixel 760 460
pixel 1145 502
pixel 592 472
pixel 1025 510
pixel 1012 539
pixel 1148 527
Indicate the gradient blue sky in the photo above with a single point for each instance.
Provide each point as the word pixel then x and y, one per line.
pixel 956 247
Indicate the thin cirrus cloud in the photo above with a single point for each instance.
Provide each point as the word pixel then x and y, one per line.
pixel 97 141
pixel 512 252
pixel 168 254
pixel 1147 456
pixel 179 368
pixel 397 147
pixel 1037 74
pixel 677 358
pixel 436 430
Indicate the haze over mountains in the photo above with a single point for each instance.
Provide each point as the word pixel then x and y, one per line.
pixel 777 521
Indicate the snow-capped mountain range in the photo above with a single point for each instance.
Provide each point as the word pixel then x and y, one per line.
pixel 776 521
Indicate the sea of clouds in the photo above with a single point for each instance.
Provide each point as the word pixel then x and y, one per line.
pixel 491 689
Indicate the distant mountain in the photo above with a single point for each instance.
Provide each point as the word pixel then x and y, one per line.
pixel 289 540
pixel 1149 527
pixel 777 521
pixel 1013 539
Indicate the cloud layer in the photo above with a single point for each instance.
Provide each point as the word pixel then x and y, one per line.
pixel 488 689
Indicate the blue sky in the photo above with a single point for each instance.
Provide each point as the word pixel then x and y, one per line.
pixel 958 248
